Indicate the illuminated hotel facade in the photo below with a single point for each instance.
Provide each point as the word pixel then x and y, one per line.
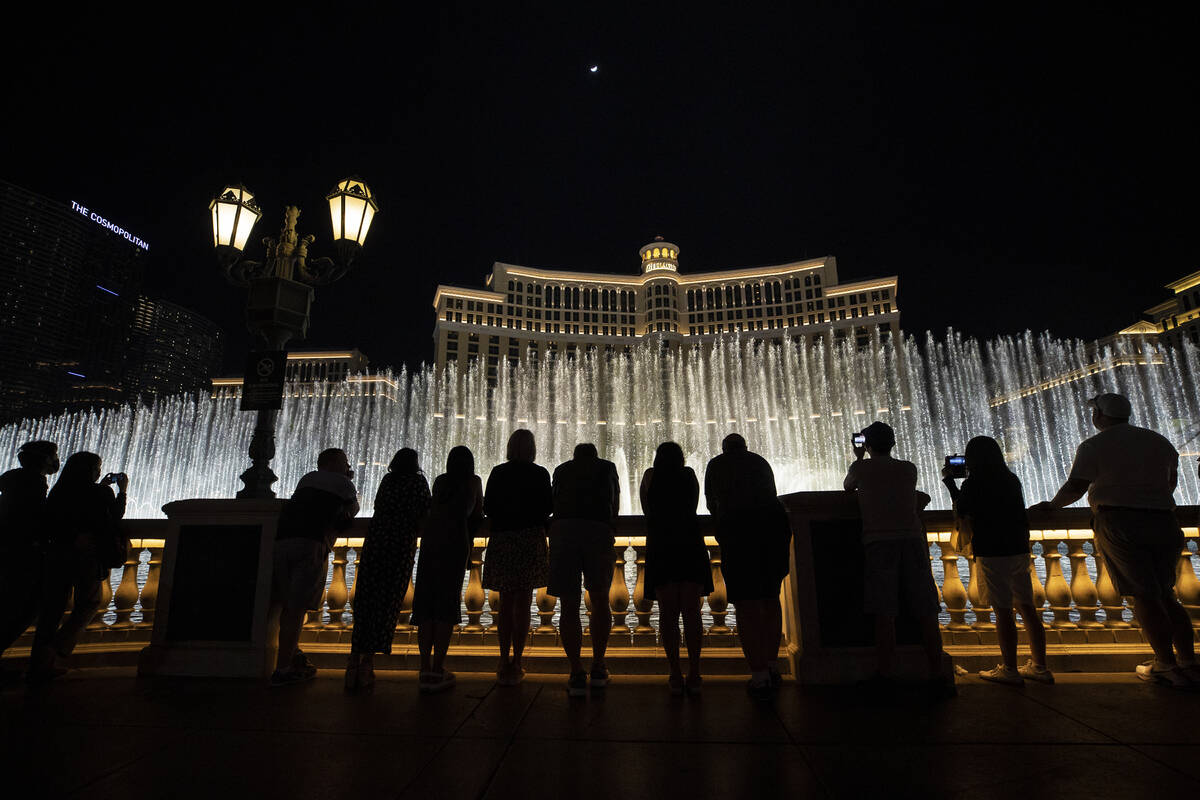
pixel 543 313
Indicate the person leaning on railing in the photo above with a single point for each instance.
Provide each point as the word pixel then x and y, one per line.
pixel 1129 474
pixel 455 514
pixel 992 504
pixel 518 503
pixel 385 564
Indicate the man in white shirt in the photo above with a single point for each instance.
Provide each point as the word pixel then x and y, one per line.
pixel 1129 475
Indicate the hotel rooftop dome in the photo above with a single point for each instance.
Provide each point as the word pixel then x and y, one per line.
pixel 659 255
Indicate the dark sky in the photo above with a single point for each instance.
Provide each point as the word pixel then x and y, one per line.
pixel 1018 167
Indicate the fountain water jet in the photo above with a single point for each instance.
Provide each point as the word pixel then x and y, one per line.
pixel 796 405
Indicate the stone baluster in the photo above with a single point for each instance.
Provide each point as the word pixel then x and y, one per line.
pixel 545 611
pixel 338 594
pixel 618 598
pixel 718 601
pixel 1187 587
pixel 1110 599
pixel 1039 591
pixel 473 597
pixel 106 596
pixel 1083 590
pixel 587 607
pixel 977 594
pixel 127 592
pixel 1058 593
pixel 642 608
pixel 357 551
pixel 149 595
pixel 493 600
pixel 954 594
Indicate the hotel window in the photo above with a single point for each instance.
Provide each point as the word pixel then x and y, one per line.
pixel 886 294
pixel 887 308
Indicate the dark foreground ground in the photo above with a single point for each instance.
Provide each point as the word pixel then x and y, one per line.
pixel 104 733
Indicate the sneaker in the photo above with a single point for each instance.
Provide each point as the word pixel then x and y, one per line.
pixel 1168 676
pixel 599 677
pixel 1191 672
pixel 577 684
pixel 432 682
pixel 693 684
pixel 1036 672
pixel 675 683
pixel 1002 674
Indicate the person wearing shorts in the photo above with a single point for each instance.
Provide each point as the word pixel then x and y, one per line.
pixel 1129 474
pixel 324 504
pixel 586 502
pixel 992 503
pixel 897 574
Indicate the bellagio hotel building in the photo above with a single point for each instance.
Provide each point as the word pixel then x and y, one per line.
pixel 546 313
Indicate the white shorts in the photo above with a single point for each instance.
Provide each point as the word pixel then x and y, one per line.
pixel 1005 580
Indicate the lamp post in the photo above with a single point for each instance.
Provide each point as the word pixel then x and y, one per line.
pixel 280 287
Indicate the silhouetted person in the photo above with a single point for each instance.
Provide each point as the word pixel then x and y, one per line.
pixel 518 503
pixel 454 515
pixel 678 572
pixel 753 531
pixel 385 564
pixel 992 503
pixel 1129 475
pixel 587 499
pixel 23 535
pixel 323 505
pixel 85 543
pixel 897 576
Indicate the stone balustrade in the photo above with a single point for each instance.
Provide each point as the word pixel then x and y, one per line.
pixel 1079 602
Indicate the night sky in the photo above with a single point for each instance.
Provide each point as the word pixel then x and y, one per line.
pixel 1017 167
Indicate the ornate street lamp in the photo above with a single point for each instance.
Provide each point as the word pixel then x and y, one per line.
pixel 280 291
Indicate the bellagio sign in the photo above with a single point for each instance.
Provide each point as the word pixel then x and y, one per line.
pixel 112 226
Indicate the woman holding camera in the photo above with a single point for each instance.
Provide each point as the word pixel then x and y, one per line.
pixel 992 502
pixel 85 543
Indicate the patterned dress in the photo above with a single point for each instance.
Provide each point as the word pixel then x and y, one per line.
pixel 386 564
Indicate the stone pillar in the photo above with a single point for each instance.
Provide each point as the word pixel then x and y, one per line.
pixel 1058 593
pixel 337 594
pixel 150 590
pixel 718 601
pixel 618 599
pixel 1083 590
pixel 642 608
pixel 1110 600
pixel 954 594
pixel 127 591
pixel 1187 587
pixel 473 597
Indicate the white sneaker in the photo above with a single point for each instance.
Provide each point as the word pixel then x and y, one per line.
pixel 1002 674
pixel 1035 672
pixel 1168 676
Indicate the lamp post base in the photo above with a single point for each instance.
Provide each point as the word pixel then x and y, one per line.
pixel 258 480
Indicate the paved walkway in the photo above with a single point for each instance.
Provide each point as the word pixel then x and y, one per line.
pixel 103 733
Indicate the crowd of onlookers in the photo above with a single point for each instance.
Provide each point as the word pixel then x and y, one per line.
pixel 557 531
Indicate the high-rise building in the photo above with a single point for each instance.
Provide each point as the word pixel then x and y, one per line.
pixel 70 289
pixel 525 312
pixel 1177 319
pixel 170 350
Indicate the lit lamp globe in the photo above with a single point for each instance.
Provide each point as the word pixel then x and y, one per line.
pixel 352 207
pixel 234 213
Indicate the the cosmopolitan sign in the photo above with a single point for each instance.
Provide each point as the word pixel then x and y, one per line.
pixel 112 226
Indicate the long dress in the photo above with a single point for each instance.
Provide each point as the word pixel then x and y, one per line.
pixel 386 565
pixel 454 515
pixel 675 551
